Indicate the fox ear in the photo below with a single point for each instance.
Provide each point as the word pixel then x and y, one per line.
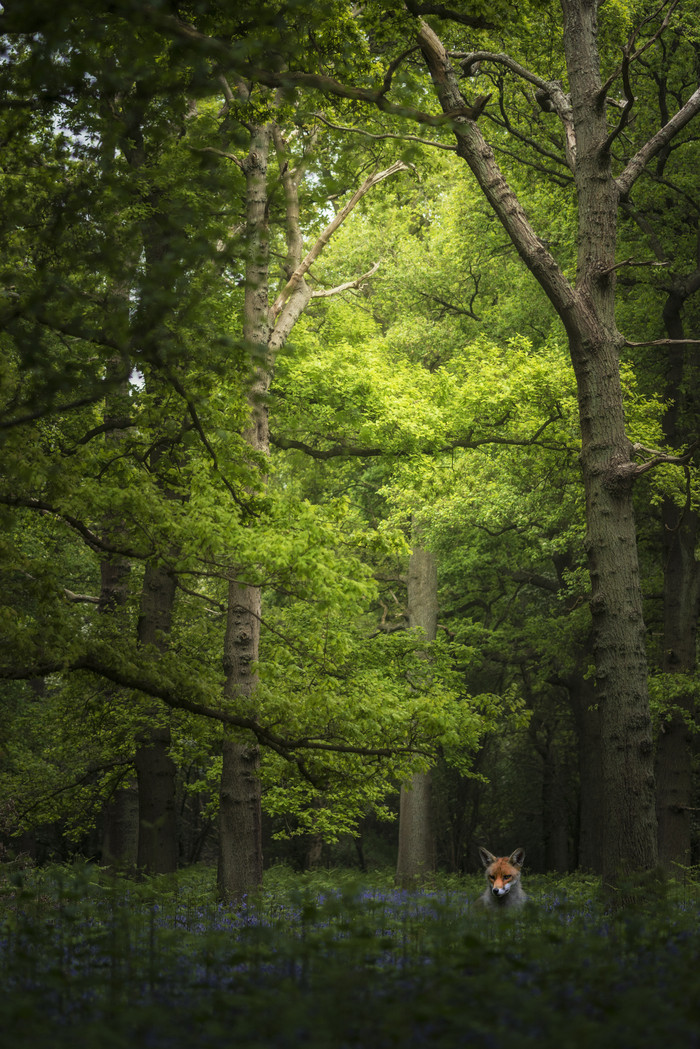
pixel 517 858
pixel 486 857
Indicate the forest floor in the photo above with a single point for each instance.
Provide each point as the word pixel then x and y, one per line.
pixel 333 961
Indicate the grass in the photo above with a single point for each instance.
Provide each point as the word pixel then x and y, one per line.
pixel 327 961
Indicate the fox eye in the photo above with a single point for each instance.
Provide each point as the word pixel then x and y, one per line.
pixel 507 877
pixel 492 877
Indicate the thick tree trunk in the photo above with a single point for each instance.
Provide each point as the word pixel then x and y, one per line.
pixel 240 825
pixel 629 832
pixel 240 819
pixel 120 829
pixel 155 769
pixel 629 823
pixel 582 697
pixel 120 814
pixel 681 599
pixel 416 855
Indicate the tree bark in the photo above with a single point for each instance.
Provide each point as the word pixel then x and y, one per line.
pixel 155 769
pixel 416 853
pixel 120 829
pixel 582 697
pixel 240 818
pixel 120 814
pixel 240 866
pixel 681 599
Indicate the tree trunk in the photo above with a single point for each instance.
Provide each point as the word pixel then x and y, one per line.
pixel 240 817
pixel 120 828
pixel 673 747
pixel 681 598
pixel 240 823
pixel 582 697
pixel 629 833
pixel 120 814
pixel 155 769
pixel 555 816
pixel 416 855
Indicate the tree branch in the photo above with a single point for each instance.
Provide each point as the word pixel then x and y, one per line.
pixel 448 13
pixel 173 697
pixel 311 256
pixel 550 95
pixel 94 541
pixel 631 56
pixel 347 286
pixel 656 143
pixel 357 451
pixel 386 134
pixel 663 342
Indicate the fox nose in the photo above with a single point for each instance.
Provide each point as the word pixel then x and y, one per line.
pixel 497 890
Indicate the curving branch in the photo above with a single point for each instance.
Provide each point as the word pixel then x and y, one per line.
pixel 93 540
pixel 448 13
pixel 324 237
pixel 348 286
pixel 172 694
pixel 656 143
pixel 629 54
pixel 386 134
pixel 549 94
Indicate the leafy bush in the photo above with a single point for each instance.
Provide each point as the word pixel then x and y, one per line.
pixel 330 962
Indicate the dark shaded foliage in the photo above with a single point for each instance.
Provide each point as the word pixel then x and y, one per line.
pixel 331 962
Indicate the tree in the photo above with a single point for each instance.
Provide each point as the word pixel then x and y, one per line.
pixel 416 854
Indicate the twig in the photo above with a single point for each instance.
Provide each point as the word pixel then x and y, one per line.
pixel 385 134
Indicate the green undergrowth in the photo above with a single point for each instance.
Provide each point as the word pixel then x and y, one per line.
pixel 331 961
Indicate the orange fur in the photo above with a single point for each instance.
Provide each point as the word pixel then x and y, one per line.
pixel 504 890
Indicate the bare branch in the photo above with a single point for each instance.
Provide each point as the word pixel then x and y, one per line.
pixel 663 342
pixel 93 540
pixel 80 598
pixel 659 458
pixel 632 262
pixel 387 134
pixel 219 153
pixel 630 55
pixel 323 239
pixel 347 286
pixel 656 143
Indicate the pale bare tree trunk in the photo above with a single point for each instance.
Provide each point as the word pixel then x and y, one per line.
pixel 240 821
pixel 416 853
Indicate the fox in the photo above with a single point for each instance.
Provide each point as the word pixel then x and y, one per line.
pixel 504 892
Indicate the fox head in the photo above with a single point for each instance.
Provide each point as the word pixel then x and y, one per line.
pixel 502 872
